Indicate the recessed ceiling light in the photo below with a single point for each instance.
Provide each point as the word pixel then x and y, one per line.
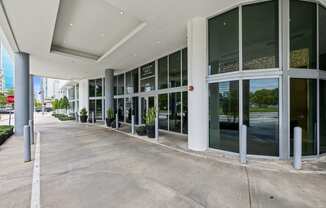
pixel 70 24
pixel 135 54
pixel 122 12
pixel 102 35
pixel 158 42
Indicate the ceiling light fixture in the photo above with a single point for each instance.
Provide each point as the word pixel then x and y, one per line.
pixel 122 12
pixel 70 24
pixel 102 35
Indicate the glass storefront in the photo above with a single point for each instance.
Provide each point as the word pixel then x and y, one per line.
pixel 223 40
pixel 175 69
pixel 303 113
pixel 261 116
pixel 322 115
pixel 175 112
pixel 224 116
pixel 322 38
pixel 147 77
pixel 132 81
pixel 163 111
pixel 260 35
pixel 163 73
pixel 303 35
pixel 96 100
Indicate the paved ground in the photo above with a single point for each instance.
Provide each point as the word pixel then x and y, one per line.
pixel 90 166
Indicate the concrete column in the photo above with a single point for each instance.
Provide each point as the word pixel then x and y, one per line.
pixel 31 98
pixel 109 73
pixel 197 73
pixel 22 92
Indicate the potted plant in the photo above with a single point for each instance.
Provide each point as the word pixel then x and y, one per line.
pixel 141 130
pixel 110 117
pixel 83 115
pixel 150 122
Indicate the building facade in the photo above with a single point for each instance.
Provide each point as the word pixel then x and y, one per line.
pixel 246 65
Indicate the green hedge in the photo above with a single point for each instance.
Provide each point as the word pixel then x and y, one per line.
pixel 5 133
pixel 63 117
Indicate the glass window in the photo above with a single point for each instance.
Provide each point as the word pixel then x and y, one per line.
pixel 260 35
pixel 128 110
pixel 163 73
pixel 322 38
pixel 322 116
pixel 115 85
pixel 303 34
pixel 175 69
pixel 99 109
pixel 132 81
pixel 135 109
pixel 77 91
pixel 184 112
pixel 224 116
pixel 303 113
pixel 115 109
pixel 121 84
pixel 163 114
pixel 99 88
pixel 121 109
pixel 184 67
pixel 91 107
pixel 91 88
pixel 175 112
pixel 223 42
pixel 261 116
pixel 147 75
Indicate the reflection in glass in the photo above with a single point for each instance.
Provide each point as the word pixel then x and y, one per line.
pixel 303 38
pixel 99 88
pixel 223 42
pixel 121 84
pixel 147 85
pixel 224 116
pixel 322 38
pixel 261 116
pixel 303 113
pixel 143 109
pixel 322 116
pixel 175 69
pixel 115 109
pixel 91 108
pixel 77 91
pixel 175 112
pixel 260 35
pixel 128 110
pixel 163 116
pixel 132 81
pixel 91 88
pixel 121 109
pixel 115 85
pixel 98 114
pixel 184 67
pixel 135 109
pixel 163 73
pixel 184 112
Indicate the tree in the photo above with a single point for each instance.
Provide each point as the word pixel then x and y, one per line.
pixel 10 92
pixel 64 103
pixel 3 100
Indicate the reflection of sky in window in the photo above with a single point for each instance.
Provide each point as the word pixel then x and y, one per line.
pixel 263 84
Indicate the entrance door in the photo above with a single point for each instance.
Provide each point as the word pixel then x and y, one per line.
pixel 146 103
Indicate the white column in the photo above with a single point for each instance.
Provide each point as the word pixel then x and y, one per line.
pixel 109 79
pixel 22 83
pixel 197 73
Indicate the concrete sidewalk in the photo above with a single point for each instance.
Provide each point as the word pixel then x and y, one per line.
pixel 90 166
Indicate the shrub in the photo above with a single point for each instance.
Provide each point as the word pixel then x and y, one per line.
pixel 83 112
pixel 110 114
pixel 5 133
pixel 150 117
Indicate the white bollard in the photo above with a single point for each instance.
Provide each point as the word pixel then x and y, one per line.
pixel 27 144
pixel 132 124
pixel 297 148
pixel 76 116
pixel 243 145
pixel 156 128
pixel 116 121
pixel 31 125
pixel 10 118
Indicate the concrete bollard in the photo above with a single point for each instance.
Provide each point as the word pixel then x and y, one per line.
pixel 243 145
pixel 76 117
pixel 116 121
pixel 10 118
pixel 27 144
pixel 132 124
pixel 31 125
pixel 156 128
pixel 297 148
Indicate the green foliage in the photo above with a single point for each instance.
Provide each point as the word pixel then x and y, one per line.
pixel 37 104
pixel 5 133
pixel 64 103
pixel 3 99
pixel 110 113
pixel 265 97
pixel 83 112
pixel 55 104
pixel 10 92
pixel 150 117
pixel 63 117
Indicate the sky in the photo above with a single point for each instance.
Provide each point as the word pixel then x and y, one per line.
pixel 37 86
pixel 8 69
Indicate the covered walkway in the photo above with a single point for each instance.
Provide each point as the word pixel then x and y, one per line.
pixel 91 166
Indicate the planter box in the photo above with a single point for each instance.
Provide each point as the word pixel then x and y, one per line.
pixel 150 130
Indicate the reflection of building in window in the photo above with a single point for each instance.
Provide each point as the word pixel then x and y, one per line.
pixel 300 58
